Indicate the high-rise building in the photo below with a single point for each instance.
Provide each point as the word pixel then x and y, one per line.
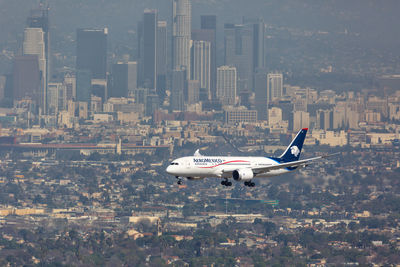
pixel 39 18
pixel 274 86
pixel 91 52
pixel 226 85
pixel 124 79
pixel 99 87
pixel 208 33
pixel 261 94
pixel 239 53
pixel 193 92
pixel 301 119
pixel 83 85
pixel 259 45
pixel 245 49
pixel 152 104
pixel 181 34
pixel 70 86
pixel 178 90
pixel 162 58
pixel 26 78
pixel 34 44
pixel 201 55
pixel 149 59
pixel 57 98
pixel 208 22
pixel 324 119
pixel 258 26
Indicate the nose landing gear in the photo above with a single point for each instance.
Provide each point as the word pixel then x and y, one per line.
pixel 179 180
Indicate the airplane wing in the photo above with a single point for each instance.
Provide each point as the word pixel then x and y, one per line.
pixel 297 163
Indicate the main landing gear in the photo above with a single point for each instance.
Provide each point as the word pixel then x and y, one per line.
pixel 179 180
pixel 249 184
pixel 226 182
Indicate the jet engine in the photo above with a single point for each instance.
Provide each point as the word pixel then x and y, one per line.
pixel 243 175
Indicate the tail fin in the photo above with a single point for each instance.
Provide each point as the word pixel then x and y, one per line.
pixel 293 151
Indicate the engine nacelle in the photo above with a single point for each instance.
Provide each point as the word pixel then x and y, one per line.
pixel 243 175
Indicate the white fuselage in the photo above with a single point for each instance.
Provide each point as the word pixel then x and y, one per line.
pixel 220 167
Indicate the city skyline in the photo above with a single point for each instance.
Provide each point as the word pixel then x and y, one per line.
pixel 97 100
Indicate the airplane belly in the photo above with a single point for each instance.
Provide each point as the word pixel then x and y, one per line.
pixel 272 173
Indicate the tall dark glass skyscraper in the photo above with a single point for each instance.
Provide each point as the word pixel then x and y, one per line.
pixel 91 51
pixel 26 78
pixel 178 90
pixel 208 32
pixel 239 53
pixel 244 49
pixel 208 22
pixel 162 58
pixel 149 59
pixel 258 26
pixel 124 79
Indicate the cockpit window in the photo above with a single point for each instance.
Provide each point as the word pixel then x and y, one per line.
pixel 174 163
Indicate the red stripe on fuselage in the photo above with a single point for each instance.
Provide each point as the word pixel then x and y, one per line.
pixel 224 163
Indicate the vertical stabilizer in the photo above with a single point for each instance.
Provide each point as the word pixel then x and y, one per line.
pixel 293 151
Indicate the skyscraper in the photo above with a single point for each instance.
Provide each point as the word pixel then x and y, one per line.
pixel 226 85
pixel 70 86
pixel 208 22
pixel 261 94
pixel 39 18
pixel 201 55
pixel 34 44
pixel 209 25
pixel 91 51
pixel 178 90
pixel 26 78
pixel 162 58
pixel 258 28
pixel 57 98
pixel 181 34
pixel 239 53
pixel 193 88
pixel 124 77
pixel 83 85
pixel 258 45
pixel 149 59
pixel 274 86
pixel 245 49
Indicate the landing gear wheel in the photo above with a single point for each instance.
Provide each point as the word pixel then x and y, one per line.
pixel 179 182
pixel 249 184
pixel 226 182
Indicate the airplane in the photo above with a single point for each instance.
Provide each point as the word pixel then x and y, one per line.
pixel 243 169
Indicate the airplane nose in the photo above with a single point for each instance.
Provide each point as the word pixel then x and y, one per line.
pixel 168 169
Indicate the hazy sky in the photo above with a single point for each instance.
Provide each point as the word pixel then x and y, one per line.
pixel 376 22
